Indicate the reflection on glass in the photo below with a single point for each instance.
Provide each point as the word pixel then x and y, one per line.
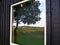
pixel 28 23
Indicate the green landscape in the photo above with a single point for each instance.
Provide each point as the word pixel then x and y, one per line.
pixel 27 35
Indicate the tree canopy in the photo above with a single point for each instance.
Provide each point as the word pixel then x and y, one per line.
pixel 27 12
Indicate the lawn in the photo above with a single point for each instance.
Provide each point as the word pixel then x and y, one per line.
pixel 26 37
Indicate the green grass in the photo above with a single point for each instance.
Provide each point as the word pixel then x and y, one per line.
pixel 24 37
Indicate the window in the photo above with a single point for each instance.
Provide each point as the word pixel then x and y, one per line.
pixel 28 23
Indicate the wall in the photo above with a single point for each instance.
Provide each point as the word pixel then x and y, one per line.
pixel 53 21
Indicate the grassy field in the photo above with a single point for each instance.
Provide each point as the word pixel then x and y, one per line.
pixel 29 36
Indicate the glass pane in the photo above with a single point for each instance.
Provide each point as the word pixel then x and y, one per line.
pixel 28 23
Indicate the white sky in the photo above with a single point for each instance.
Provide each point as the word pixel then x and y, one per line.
pixel 42 22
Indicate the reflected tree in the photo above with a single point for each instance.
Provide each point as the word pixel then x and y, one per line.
pixel 28 13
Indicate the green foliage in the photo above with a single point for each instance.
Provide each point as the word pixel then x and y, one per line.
pixel 28 13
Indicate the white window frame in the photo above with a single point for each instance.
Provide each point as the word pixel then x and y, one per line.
pixel 11 7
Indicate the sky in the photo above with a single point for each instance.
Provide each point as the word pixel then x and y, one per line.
pixel 42 22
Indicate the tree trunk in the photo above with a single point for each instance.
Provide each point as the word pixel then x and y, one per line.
pixel 15 33
pixel 15 30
